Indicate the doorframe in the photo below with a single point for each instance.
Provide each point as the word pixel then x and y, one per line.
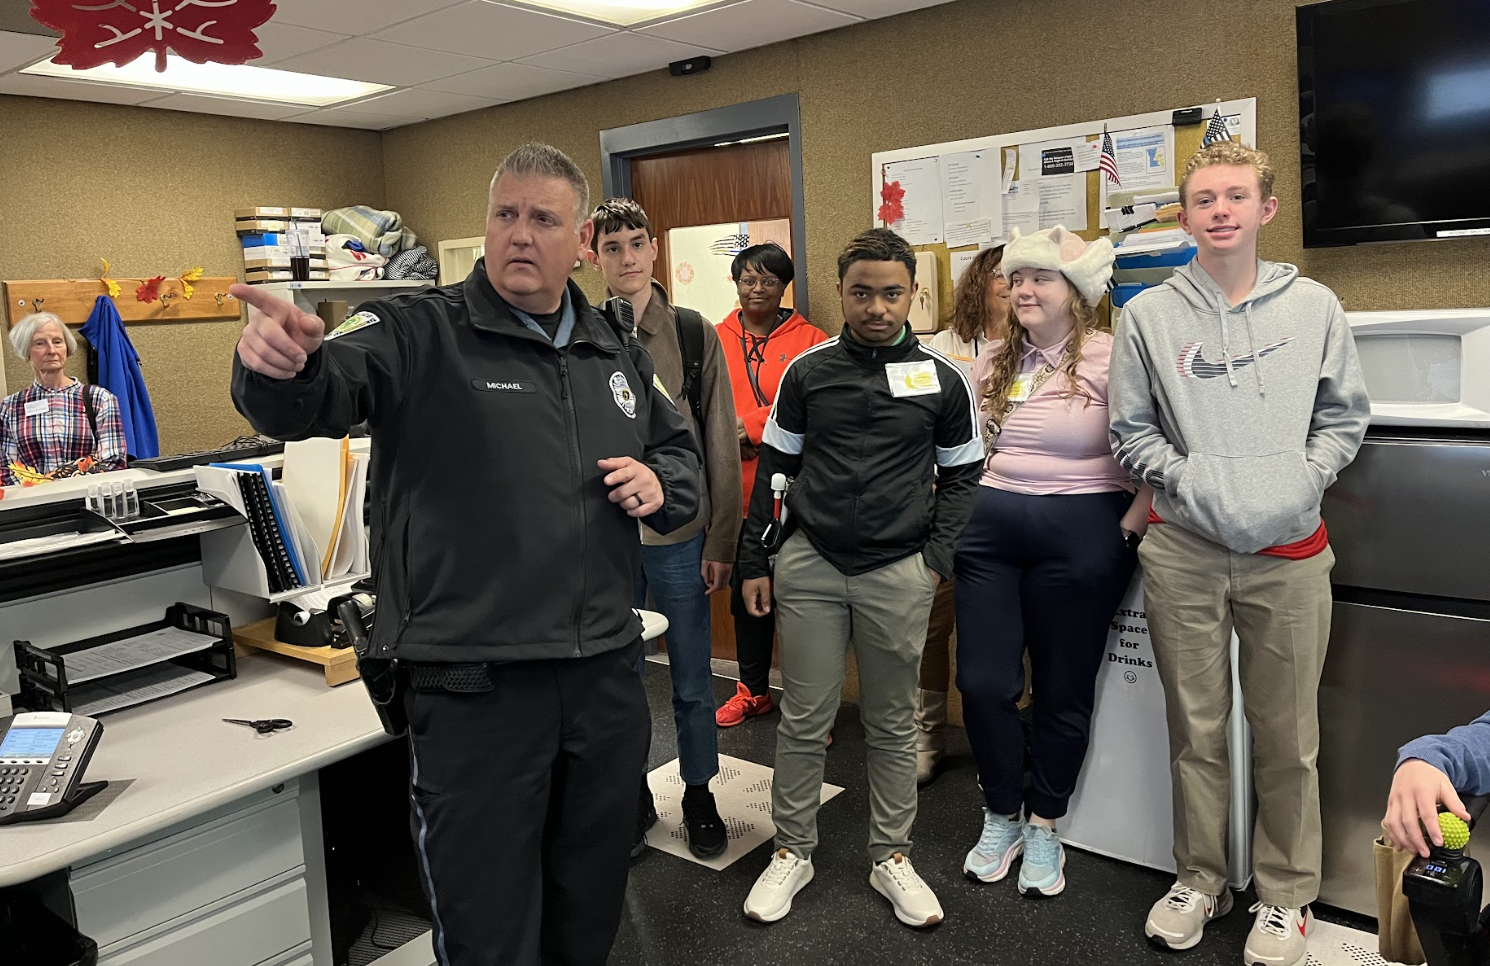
pixel 771 115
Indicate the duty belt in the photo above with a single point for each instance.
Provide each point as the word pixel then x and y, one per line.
pixel 455 678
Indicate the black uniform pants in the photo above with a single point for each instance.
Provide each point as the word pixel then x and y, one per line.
pixel 524 803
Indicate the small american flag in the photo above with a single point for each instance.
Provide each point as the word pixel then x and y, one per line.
pixel 1215 130
pixel 731 244
pixel 1108 162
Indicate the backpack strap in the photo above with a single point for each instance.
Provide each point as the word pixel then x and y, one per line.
pixel 90 410
pixel 690 327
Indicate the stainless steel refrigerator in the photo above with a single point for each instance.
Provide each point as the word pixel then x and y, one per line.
pixel 1409 653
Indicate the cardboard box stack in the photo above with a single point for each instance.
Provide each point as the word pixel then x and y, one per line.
pixel 268 237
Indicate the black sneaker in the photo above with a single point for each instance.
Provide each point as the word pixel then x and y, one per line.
pixel 646 817
pixel 707 836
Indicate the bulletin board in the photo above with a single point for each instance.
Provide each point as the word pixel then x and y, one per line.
pixel 955 198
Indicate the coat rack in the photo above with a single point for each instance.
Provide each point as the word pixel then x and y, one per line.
pixel 72 300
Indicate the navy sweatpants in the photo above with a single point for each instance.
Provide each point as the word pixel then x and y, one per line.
pixel 1043 573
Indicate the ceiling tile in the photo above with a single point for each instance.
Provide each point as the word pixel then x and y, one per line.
pixel 512 82
pixel 492 30
pixel 370 122
pixel 73 90
pixel 419 103
pixel 751 23
pixel 619 55
pixel 871 9
pixel 202 104
pixel 23 50
pixel 279 41
pixel 382 63
pixel 355 17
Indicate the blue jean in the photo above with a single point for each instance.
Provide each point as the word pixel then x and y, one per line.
pixel 672 574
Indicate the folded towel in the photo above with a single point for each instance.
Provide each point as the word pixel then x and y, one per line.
pixel 380 231
pixel 348 261
pixel 413 263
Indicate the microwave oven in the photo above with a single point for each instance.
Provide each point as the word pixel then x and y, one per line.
pixel 1426 368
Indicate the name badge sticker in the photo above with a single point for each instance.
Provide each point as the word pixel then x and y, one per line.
pixel 913 378
pixel 1020 390
pixel 37 407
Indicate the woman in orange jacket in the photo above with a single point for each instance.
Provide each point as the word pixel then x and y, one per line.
pixel 760 339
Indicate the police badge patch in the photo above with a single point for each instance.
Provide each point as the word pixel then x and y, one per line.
pixel 621 390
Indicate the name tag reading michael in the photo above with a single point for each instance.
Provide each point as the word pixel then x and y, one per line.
pixel 913 378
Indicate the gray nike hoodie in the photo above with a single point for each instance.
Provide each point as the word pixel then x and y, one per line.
pixel 1238 415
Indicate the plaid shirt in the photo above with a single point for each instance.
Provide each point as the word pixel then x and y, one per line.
pixel 61 434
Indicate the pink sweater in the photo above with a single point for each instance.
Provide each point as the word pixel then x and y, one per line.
pixel 1053 444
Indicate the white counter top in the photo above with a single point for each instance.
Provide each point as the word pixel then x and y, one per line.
pixel 185 761
pixel 76 487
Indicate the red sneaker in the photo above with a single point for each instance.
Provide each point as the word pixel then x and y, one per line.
pixel 742 706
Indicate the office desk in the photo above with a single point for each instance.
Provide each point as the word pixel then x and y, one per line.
pixel 211 851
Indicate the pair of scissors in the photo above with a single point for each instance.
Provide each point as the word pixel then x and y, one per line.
pixel 264 726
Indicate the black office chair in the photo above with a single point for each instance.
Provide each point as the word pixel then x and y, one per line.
pixel 1444 892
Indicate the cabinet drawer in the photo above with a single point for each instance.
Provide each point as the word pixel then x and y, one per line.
pixel 145 886
pixel 299 956
pixel 261 927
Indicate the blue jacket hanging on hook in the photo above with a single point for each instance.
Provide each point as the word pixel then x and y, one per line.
pixel 119 373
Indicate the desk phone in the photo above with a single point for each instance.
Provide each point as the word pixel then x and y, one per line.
pixel 42 758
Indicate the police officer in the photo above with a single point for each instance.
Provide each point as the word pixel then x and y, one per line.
pixel 517 439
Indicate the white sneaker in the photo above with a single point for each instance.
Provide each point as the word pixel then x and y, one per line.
pixel 1178 920
pixel 915 904
pixel 770 898
pixel 1279 936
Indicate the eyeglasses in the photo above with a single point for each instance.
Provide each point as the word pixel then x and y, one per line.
pixel 770 284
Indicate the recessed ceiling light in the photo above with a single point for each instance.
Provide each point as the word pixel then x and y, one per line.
pixel 224 80
pixel 620 13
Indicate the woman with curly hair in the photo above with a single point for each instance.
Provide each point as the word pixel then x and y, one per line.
pixel 1047 556
pixel 980 315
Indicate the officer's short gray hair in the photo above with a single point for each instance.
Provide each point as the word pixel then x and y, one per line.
pixel 547 161
pixel 24 331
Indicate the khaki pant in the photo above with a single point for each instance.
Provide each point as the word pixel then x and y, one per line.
pixel 1195 591
pixel 819 612
pixel 936 658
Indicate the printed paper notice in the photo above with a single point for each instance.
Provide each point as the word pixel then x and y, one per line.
pixel 960 262
pixel 962 187
pixel 916 189
pixel 1145 161
pixel 1062 201
pixel 1022 208
pixel 964 233
pixel 1057 158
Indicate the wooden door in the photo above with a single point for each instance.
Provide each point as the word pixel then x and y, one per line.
pixel 707 186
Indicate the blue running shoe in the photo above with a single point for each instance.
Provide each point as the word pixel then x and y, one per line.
pixel 1043 872
pixel 999 845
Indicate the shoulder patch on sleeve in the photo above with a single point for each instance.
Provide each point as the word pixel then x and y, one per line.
pixel 354 322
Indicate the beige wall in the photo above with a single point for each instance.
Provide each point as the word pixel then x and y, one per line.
pixel 154 192
pixel 969 68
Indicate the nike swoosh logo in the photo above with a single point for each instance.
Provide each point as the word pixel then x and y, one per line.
pixel 1193 366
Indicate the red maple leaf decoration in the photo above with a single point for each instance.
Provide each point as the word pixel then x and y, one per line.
pixel 97 32
pixel 150 291
pixel 891 210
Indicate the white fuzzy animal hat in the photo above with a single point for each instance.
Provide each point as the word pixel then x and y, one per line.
pixel 1087 266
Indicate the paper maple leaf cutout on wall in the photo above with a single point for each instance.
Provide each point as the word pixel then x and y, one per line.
pixel 891 209
pixel 97 32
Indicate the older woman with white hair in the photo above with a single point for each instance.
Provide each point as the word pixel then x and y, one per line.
pixel 57 426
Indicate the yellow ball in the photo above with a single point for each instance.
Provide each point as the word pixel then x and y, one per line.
pixel 1455 832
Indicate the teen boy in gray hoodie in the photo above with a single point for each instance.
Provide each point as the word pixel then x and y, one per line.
pixel 1235 391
